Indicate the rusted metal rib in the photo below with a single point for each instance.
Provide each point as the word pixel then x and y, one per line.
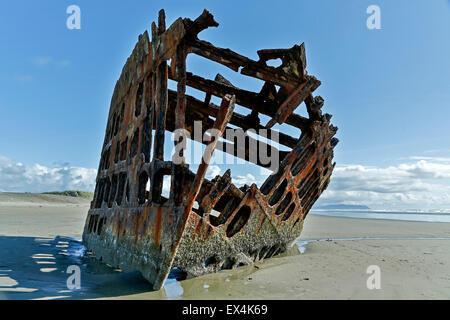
pixel 223 116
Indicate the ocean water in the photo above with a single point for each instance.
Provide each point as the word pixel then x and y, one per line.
pixel 423 216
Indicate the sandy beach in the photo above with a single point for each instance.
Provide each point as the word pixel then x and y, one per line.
pixel 38 241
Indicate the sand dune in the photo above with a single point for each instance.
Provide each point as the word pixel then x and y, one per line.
pixel 9 199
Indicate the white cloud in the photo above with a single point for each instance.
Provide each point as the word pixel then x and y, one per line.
pixel 23 78
pixel 42 61
pixel 63 63
pixel 16 177
pixel 212 172
pixel 247 179
pixel 420 183
pixel 423 184
pixel 49 61
pixel 165 188
pixel 434 159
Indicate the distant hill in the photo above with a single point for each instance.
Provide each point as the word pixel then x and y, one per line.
pixel 343 207
pixel 52 199
pixel 72 193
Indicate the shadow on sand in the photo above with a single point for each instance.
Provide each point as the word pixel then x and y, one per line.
pixel 36 268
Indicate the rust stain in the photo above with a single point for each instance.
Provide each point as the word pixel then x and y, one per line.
pixel 158 226
pixel 198 228
pixel 209 230
pixel 263 219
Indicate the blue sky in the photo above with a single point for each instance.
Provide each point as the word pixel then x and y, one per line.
pixel 388 89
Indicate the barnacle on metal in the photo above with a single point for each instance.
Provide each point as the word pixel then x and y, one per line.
pixel 134 227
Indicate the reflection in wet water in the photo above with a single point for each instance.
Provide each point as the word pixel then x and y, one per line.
pixel 173 289
pixel 36 268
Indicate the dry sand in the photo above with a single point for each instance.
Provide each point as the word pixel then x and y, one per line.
pixel 37 246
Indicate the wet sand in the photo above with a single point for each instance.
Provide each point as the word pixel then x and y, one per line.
pixel 38 243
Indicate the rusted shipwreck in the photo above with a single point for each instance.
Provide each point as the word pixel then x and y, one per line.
pixel 134 227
